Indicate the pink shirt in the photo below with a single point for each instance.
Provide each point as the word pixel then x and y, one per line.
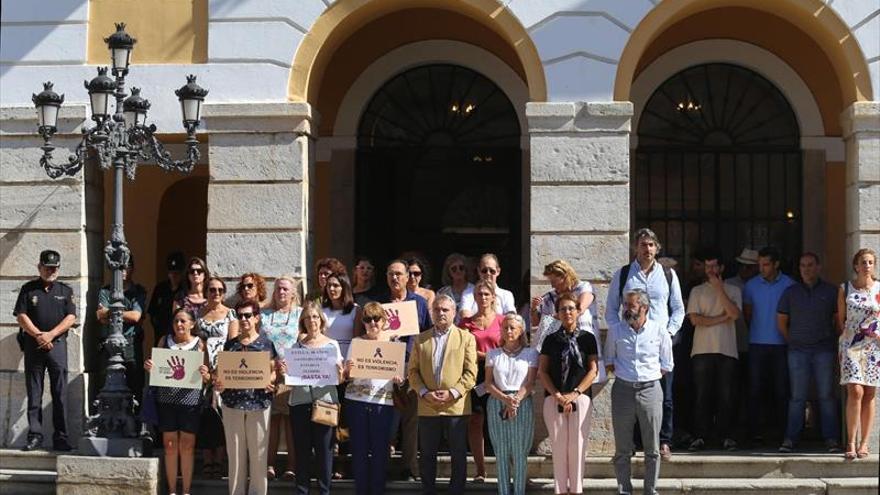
pixel 488 338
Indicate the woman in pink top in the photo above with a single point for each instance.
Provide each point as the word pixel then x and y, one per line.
pixel 485 326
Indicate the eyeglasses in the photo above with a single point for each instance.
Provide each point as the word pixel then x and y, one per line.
pixel 247 286
pixel 415 274
pixel 196 271
pixel 456 268
pixel 245 316
pixel 488 270
pixel 324 274
pixel 371 319
pixel 216 290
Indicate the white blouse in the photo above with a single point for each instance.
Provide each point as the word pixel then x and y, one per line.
pixel 509 372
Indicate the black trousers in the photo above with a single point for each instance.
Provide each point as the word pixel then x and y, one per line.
pixel 716 386
pixel 311 437
pixel 36 363
pixel 431 431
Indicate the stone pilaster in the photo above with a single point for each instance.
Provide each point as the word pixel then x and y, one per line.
pixel 861 130
pixel 260 159
pixel 38 213
pixel 580 208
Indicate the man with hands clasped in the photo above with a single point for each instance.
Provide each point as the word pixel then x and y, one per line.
pixel 443 370
pixel 639 352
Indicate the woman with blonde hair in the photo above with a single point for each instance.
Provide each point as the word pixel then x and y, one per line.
pixel 510 377
pixel 280 323
pixel 858 312
pixel 455 280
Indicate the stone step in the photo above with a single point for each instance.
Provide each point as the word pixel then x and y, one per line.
pixel 37 460
pixel 689 486
pixel 27 481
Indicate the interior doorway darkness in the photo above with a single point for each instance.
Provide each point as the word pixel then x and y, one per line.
pixel 719 164
pixel 439 171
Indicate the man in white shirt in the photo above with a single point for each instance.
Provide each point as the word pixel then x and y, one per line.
pixel 639 352
pixel 489 270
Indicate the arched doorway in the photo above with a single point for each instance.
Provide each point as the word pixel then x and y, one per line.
pixel 718 163
pixel 439 169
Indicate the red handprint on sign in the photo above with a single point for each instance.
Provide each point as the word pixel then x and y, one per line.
pixel 177 371
pixel 393 316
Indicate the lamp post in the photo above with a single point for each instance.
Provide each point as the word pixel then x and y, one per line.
pixel 119 140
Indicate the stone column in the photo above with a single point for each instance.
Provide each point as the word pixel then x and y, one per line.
pixel 38 213
pixel 580 208
pixel 260 159
pixel 861 130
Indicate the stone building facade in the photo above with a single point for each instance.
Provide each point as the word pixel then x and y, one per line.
pixel 287 157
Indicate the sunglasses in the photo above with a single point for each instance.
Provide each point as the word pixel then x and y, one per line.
pixel 216 290
pixel 456 268
pixel 196 271
pixel 247 286
pixel 371 319
pixel 489 270
pixel 415 274
pixel 245 316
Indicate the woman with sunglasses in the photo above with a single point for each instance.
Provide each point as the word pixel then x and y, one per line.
pixel 280 324
pixel 418 273
pixel 485 326
pixel 215 323
pixel 193 295
pixel 179 408
pixel 251 287
pixel 455 281
pixel 489 269
pixel 246 411
pixel 369 409
pixel 364 279
pixel 312 438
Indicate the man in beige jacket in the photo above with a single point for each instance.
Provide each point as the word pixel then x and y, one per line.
pixel 443 370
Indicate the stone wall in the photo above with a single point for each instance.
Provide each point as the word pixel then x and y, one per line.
pixel 39 213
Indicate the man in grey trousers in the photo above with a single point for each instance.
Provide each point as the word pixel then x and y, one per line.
pixel 638 352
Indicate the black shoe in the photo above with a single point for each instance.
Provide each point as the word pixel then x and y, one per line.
pixel 407 475
pixel 32 444
pixel 787 447
pixel 696 445
pixel 61 446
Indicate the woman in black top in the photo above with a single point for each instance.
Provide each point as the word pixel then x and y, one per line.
pixel 567 368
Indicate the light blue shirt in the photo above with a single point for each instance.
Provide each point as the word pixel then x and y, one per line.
pixel 638 356
pixel 763 296
pixel 658 289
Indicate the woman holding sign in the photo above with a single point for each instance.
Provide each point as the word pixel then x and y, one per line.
pixel 369 409
pixel 485 326
pixel 246 410
pixel 280 322
pixel 179 406
pixel 305 400
pixel 510 378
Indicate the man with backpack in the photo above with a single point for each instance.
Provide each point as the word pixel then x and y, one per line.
pixel 666 308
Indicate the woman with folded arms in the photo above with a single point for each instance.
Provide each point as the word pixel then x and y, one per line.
pixel 567 367
pixel 312 438
pixel 369 409
pixel 179 408
pixel 280 323
pixel 510 378
pixel 246 411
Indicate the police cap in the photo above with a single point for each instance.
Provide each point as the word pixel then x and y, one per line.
pixel 50 257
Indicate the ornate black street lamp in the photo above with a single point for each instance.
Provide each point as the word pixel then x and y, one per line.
pixel 120 140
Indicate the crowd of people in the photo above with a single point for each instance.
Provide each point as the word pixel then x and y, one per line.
pixel 759 338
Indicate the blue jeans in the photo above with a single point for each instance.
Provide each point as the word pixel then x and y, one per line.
pixel 370 427
pixel 768 369
pixel 819 366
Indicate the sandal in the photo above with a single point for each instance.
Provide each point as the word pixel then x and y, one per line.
pixel 270 473
pixel 863 451
pixel 850 453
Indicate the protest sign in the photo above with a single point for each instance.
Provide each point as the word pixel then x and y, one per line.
pixel 244 369
pixel 174 368
pixel 314 367
pixel 377 359
pixel 403 318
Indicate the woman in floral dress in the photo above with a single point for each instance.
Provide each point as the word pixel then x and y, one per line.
pixel 859 312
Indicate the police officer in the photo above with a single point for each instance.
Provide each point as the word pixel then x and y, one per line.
pixel 164 294
pixel 45 311
pixel 134 300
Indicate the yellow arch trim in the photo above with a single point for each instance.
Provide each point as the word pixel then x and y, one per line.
pixel 345 17
pixel 813 17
